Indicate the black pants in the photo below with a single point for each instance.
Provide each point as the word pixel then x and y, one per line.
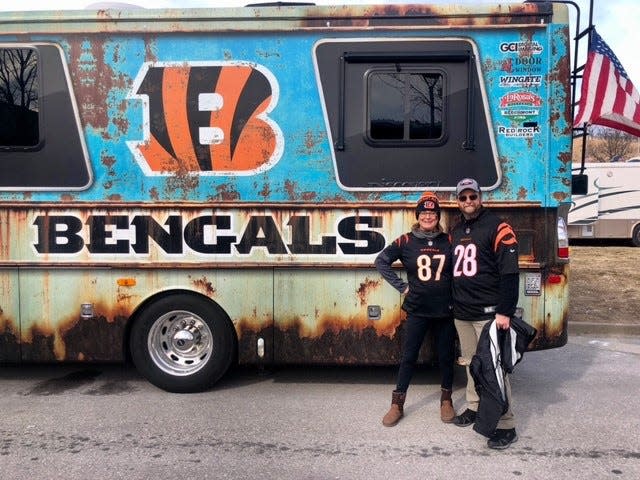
pixel 415 330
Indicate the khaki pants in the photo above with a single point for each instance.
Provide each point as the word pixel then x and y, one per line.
pixel 469 333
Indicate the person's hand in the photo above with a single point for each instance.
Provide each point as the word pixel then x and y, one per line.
pixel 406 290
pixel 502 321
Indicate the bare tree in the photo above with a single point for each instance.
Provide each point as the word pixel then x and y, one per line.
pixel 410 102
pixel 428 93
pixel 607 144
pixel 18 80
pixel 19 124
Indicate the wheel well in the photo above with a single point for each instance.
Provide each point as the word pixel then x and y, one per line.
pixel 635 234
pixel 154 298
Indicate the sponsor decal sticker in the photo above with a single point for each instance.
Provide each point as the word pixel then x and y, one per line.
pixel 522 65
pixel 520 106
pixel 519 132
pixel 520 80
pixel 533 284
pixel 530 47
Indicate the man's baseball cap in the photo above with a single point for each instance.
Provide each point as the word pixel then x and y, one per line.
pixel 467 184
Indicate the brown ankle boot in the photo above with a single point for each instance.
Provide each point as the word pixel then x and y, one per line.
pixel 396 412
pixel 447 413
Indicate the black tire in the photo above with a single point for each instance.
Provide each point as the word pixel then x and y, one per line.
pixel 182 343
pixel 635 236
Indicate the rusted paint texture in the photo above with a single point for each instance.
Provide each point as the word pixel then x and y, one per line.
pixel 96 339
pixel 333 345
pixel 331 339
pixel 366 287
pixel 205 286
pixel 87 340
pixel 210 143
pixel 551 316
pixel 283 18
pixel 94 80
pixel 9 340
pixel 432 15
pixel 337 347
pixel 315 322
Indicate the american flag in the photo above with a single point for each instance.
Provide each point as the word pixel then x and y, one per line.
pixel 607 97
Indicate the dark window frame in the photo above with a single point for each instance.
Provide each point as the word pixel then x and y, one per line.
pixel 381 142
pixel 60 162
pixel 470 145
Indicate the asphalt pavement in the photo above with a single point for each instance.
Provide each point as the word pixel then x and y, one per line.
pixel 576 413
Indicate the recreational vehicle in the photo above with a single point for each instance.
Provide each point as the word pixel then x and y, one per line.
pixel 193 188
pixel 611 206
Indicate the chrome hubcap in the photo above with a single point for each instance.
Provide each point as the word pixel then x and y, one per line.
pixel 180 343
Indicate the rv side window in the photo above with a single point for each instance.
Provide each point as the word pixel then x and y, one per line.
pixel 19 108
pixel 406 114
pixel 41 140
pixel 404 106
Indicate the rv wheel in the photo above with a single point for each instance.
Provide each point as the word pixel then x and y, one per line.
pixel 635 237
pixel 182 343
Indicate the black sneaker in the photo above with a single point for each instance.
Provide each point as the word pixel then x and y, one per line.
pixel 466 418
pixel 501 439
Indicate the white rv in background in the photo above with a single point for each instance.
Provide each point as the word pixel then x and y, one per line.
pixel 611 207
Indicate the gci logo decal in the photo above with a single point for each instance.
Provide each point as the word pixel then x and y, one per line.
pixel 523 48
pixel 207 117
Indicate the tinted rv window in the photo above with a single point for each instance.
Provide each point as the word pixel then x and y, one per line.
pixel 405 106
pixel 19 98
pixel 406 114
pixel 41 141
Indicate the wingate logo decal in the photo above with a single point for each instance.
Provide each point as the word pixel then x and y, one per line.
pixel 210 118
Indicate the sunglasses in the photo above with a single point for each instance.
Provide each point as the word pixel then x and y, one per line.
pixel 472 197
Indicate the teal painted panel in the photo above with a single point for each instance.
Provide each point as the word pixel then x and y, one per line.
pixel 128 85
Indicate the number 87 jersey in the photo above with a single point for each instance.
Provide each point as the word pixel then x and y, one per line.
pixel 427 261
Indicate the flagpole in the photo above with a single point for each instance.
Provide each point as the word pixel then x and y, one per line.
pixel 576 70
pixel 576 43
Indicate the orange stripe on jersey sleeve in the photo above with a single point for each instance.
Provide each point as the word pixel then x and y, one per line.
pixel 506 236
pixel 402 240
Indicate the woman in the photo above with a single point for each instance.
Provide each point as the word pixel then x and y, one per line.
pixel 425 253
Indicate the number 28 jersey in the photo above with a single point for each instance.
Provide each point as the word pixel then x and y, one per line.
pixel 427 262
pixel 485 250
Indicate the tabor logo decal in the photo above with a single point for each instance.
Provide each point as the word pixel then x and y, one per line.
pixel 209 118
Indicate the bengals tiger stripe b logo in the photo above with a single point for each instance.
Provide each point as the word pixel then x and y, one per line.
pixel 210 118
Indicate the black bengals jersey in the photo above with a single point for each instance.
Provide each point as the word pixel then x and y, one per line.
pixel 428 266
pixel 485 267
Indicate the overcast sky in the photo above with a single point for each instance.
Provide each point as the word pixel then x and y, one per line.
pixel 617 21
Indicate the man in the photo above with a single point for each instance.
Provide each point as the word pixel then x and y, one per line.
pixel 485 287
